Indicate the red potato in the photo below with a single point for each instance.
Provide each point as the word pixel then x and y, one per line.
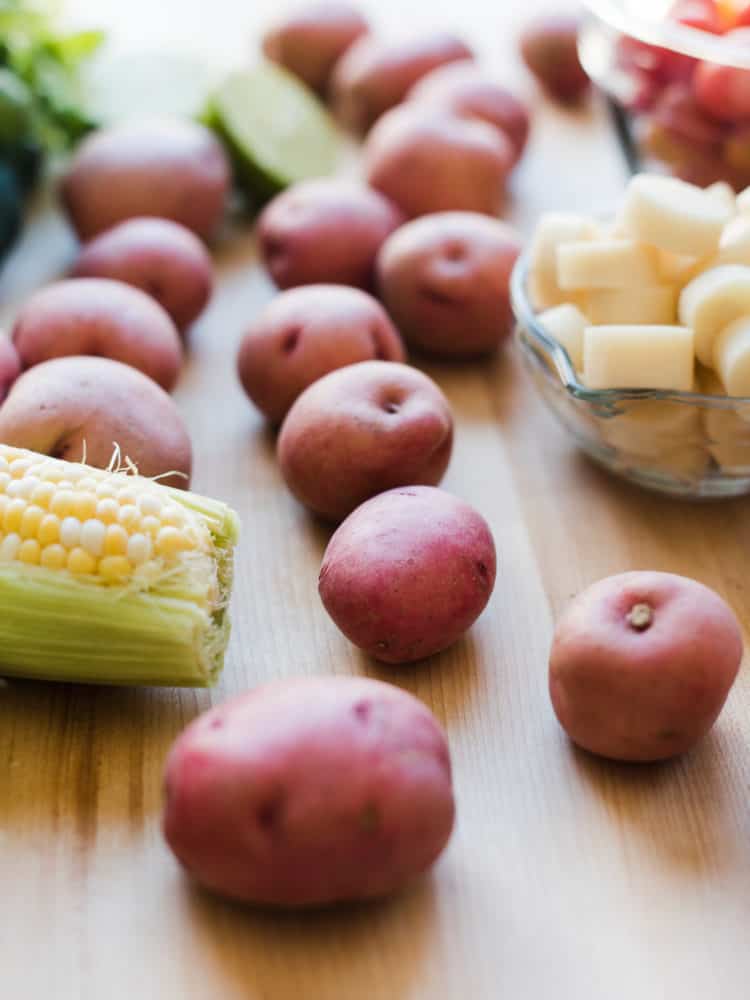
pixel 723 91
pixel 445 278
pixel 361 430
pixel 641 665
pixel 435 162
pixel 408 573
pixel 549 46
pixel 376 75
pixel 310 791
pixel 171 168
pixel 10 365
pixel 101 317
pixel 463 89
pixel 312 39
pixel 305 333
pixel 80 406
pixel 681 115
pixel 160 257
pixel 325 231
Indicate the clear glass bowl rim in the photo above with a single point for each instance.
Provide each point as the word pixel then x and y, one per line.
pixel 670 34
pixel 526 319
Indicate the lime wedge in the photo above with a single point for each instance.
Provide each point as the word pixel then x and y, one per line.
pixel 277 131
pixel 121 85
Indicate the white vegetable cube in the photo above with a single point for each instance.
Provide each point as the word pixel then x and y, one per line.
pixel 724 194
pixel 670 214
pixel 734 245
pixel 656 304
pixel 553 229
pixel 678 269
pixel 606 264
pixel 732 357
pixel 711 301
pixel 638 357
pixel 566 324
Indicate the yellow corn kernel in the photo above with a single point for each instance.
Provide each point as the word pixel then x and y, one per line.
pixel 149 504
pixel 105 490
pixel 139 549
pixel 92 537
pixel 30 551
pixel 49 529
pixel 30 521
pixel 116 541
pixel 62 503
pixel 84 506
pixel 87 484
pixel 53 557
pixel 108 510
pixel 151 525
pixel 20 466
pixel 127 497
pixel 43 494
pixel 5 479
pixel 13 515
pixel 21 487
pixel 70 532
pixel 9 547
pixel 115 567
pixel 171 540
pixel 79 561
pixel 172 514
pixel 4 467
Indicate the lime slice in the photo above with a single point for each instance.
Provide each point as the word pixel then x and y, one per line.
pixel 117 86
pixel 15 107
pixel 276 129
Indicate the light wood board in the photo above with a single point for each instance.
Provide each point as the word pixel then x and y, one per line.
pixel 566 877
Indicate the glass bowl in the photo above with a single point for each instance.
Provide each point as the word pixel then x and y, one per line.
pixel 685 444
pixel 668 84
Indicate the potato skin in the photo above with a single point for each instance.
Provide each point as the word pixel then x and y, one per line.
pixel 102 317
pixel 170 168
pixel 305 333
pixel 374 75
pixel 361 430
pixel 310 41
pixel 325 231
pixel 643 695
pixel 408 573
pixel 62 406
pixel 464 89
pixel 433 161
pixel 162 258
pixel 309 792
pixel 10 365
pixel 444 279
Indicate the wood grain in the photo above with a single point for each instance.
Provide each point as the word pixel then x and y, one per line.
pixel 566 877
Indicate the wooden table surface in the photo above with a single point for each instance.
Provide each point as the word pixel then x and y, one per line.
pixel 566 876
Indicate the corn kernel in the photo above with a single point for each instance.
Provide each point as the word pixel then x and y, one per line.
pixel 13 514
pixel 84 506
pixel 62 503
pixel 21 487
pixel 116 541
pixel 4 467
pixel 105 490
pixel 79 561
pixel 129 516
pixel 108 510
pixel 65 484
pixel 92 537
pixel 139 549
pixel 86 485
pixel 115 567
pixel 5 479
pixel 20 466
pixel 172 514
pixel 150 525
pixel 4 501
pixel 9 547
pixel 149 504
pixel 49 529
pixel 43 494
pixel 53 557
pixel 30 521
pixel 170 541
pixel 70 532
pixel 30 551
pixel 127 496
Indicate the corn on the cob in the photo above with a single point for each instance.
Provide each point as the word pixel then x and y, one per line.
pixel 106 577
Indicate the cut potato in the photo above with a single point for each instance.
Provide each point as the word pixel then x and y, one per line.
pixel 606 264
pixel 554 229
pixel 650 304
pixel 670 214
pixel 566 324
pixel 732 357
pixel 712 301
pixel 638 357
